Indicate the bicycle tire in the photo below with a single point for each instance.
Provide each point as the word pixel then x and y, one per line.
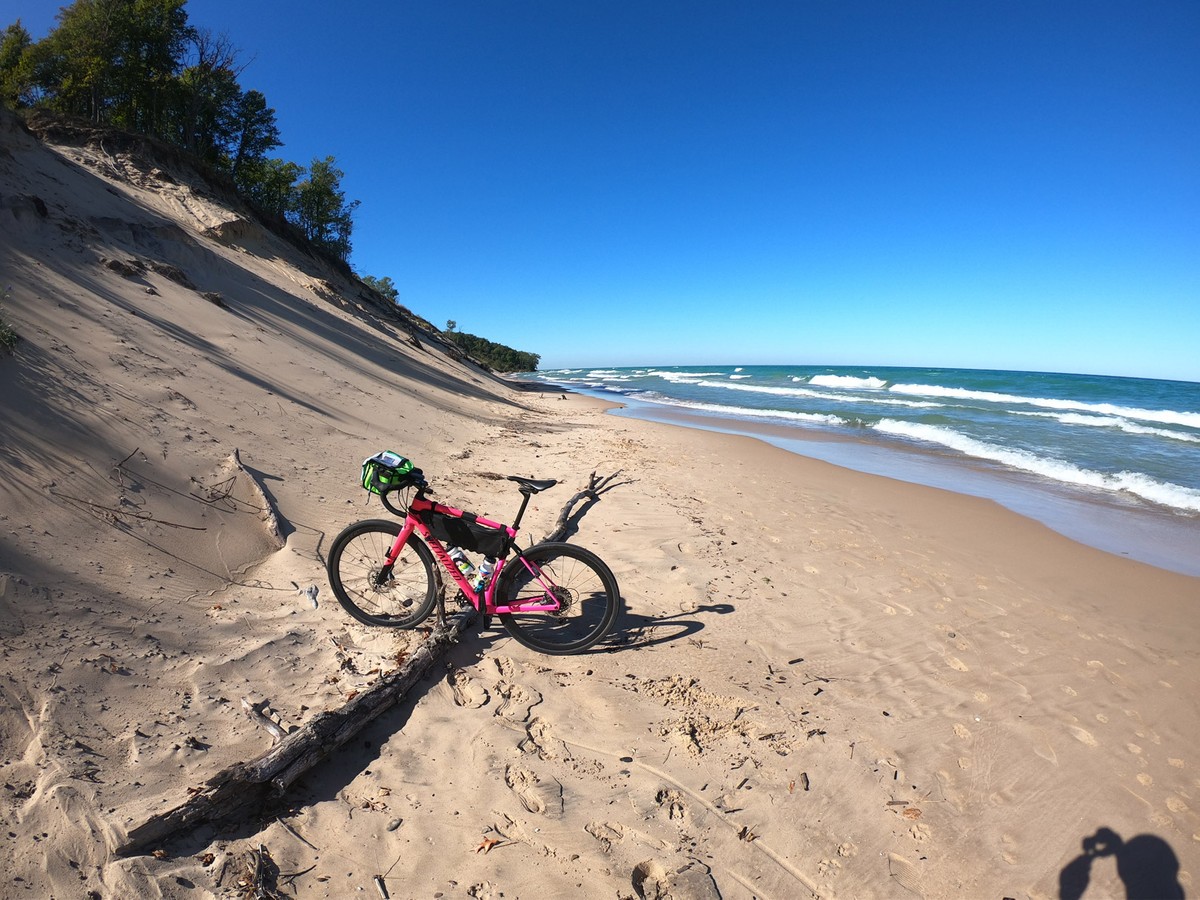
pixel 356 557
pixel 588 590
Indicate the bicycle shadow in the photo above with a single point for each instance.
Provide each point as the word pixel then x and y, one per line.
pixel 631 631
pixel 636 632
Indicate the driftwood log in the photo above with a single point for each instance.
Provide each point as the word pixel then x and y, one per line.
pixel 243 787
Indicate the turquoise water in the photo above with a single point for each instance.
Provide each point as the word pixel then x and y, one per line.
pixel 1119 450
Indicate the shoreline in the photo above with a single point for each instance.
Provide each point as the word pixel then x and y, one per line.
pixel 1156 537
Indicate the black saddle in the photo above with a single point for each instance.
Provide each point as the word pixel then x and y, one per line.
pixel 533 485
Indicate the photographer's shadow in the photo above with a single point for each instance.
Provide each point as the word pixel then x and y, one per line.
pixel 1146 864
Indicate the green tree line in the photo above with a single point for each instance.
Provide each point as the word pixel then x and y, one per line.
pixel 495 356
pixel 139 66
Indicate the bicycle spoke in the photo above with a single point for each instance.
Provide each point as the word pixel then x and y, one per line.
pixel 584 588
pixel 401 596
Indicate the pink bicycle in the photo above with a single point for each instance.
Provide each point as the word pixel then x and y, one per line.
pixel 553 597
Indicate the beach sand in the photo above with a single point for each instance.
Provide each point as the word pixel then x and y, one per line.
pixel 823 683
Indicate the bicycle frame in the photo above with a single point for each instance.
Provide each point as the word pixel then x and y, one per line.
pixel 483 601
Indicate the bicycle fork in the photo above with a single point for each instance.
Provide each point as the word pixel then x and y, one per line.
pixel 389 561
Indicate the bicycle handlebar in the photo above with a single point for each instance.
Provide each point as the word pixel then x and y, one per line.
pixel 395 510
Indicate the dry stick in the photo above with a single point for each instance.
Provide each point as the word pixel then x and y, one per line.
pixel 253 711
pixel 294 833
pixel 272 521
pixel 126 459
pixel 245 786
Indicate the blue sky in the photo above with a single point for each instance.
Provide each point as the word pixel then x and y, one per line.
pixel 981 184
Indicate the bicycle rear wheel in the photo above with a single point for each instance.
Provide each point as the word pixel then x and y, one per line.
pixel 399 596
pixel 584 586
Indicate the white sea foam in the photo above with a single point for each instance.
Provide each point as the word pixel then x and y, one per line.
pixel 848 382
pixel 762 389
pixel 823 395
pixel 741 376
pixel 1164 416
pixel 682 377
pixel 610 375
pixel 747 412
pixel 1164 493
pixel 1114 422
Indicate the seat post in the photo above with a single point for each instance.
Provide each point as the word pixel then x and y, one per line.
pixel 521 512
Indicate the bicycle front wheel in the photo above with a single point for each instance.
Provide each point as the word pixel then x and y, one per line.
pixel 397 596
pixel 583 585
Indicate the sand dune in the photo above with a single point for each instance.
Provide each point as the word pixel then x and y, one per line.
pixel 824 683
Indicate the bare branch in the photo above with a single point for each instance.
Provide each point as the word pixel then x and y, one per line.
pixel 595 488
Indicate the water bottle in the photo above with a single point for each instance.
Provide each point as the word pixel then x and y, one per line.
pixel 460 560
pixel 485 573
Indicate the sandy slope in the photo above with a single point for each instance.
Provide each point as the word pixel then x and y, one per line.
pixel 824 684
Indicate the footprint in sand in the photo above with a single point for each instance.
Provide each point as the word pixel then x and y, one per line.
pixel 828 868
pixel 653 881
pixel 541 741
pixel 671 801
pixel 907 875
pixel 1047 753
pixel 1009 855
pixel 466 691
pixel 607 833
pixel 535 795
pixel 962 731
pixel 650 880
pixel 956 664
pixel 1083 735
pixel 516 701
